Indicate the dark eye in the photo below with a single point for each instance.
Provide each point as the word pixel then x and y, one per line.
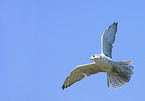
pixel 93 55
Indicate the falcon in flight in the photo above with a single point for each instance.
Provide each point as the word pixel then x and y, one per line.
pixel 118 73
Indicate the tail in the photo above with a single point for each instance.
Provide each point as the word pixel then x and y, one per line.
pixel 120 75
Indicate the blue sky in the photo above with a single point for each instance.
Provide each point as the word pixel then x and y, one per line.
pixel 42 41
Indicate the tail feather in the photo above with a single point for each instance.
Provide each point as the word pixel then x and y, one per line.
pixel 121 77
pixel 124 62
pixel 121 81
pixel 113 82
pixel 108 80
pixel 124 76
pixel 117 82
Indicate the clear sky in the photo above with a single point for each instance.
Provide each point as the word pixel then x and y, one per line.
pixel 42 41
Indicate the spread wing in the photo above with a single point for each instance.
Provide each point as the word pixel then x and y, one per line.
pixel 108 39
pixel 80 72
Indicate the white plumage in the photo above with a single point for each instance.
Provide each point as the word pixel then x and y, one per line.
pixel 118 73
pixel 108 39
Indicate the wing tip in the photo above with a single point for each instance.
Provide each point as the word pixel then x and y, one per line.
pixel 116 23
pixel 63 87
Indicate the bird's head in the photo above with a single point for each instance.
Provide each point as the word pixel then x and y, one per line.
pixel 96 57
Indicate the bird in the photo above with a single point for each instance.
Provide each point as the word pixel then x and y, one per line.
pixel 118 73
